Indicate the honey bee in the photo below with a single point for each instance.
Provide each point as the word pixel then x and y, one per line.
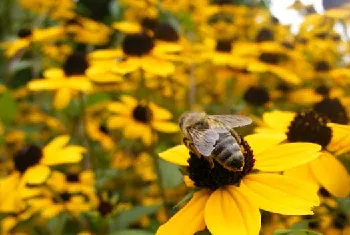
pixel 213 137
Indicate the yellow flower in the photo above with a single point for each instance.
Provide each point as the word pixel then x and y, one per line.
pixel 57 10
pixel 26 37
pixel 310 127
pixel 139 51
pixel 140 119
pixel 228 202
pixel 66 82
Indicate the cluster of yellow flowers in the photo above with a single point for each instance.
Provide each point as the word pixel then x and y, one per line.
pixel 90 109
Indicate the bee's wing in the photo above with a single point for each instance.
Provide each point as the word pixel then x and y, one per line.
pixel 204 140
pixel 228 121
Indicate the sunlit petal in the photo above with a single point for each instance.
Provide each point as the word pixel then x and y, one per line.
pixel 177 155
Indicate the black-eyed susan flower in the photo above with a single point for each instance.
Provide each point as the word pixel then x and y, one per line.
pixel 67 81
pixel 228 202
pixel 138 52
pixel 63 9
pixel 314 128
pixel 26 37
pixel 140 119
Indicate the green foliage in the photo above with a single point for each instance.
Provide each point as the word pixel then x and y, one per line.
pixel 131 232
pixel 124 219
pixel 295 232
pixel 171 176
pixel 8 108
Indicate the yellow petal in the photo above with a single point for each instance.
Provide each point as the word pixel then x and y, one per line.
pixel 331 174
pixel 56 144
pixel 228 211
pixel 280 194
pixel 62 98
pixel 160 113
pixel 286 156
pixel 166 127
pixel 177 155
pixel 116 122
pixel 127 26
pixel 36 174
pixel 157 66
pixel 69 154
pixel 303 173
pixel 279 120
pixel 262 141
pixel 190 219
pixel 128 66
pixel 118 107
pixel 54 73
pixel 128 100
pixel 340 142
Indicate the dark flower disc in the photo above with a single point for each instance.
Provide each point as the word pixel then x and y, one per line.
pixel 142 113
pixel 322 90
pixel 166 32
pixel 148 23
pixel 332 109
pixel 340 220
pixel 223 45
pixel 256 96
pixel 310 127
pixel 322 66
pixel 264 35
pixel 271 58
pixel 204 175
pixel 75 64
pixel 23 33
pixel 27 157
pixel 105 208
pixel 137 44
pixel 72 177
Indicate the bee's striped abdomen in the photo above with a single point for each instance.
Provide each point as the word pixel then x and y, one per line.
pixel 228 152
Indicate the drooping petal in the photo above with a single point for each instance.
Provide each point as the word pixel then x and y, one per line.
pixel 280 194
pixel 36 174
pixel 340 142
pixel 62 98
pixel 190 219
pixel 286 156
pixel 262 141
pixel 331 174
pixel 228 211
pixel 166 127
pixel 177 155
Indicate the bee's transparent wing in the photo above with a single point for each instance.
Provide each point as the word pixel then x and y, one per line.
pixel 204 140
pixel 228 121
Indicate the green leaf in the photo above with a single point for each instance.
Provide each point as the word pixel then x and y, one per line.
pixel 301 224
pixel 96 97
pixel 124 219
pixel 8 108
pixel 56 225
pixel 171 176
pixel 131 232
pixel 295 232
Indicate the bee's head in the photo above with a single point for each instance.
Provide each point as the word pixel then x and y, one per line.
pixel 188 119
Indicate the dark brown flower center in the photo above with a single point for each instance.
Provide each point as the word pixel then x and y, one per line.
pixel 27 157
pixel 103 128
pixel 324 192
pixel 288 45
pixel 75 64
pixel 264 35
pixel 333 109
pixel 322 90
pixel 271 57
pixel 137 44
pixel 340 220
pixel 149 23
pixel 105 208
pixel 310 127
pixel 142 113
pixel 64 197
pixel 23 33
pixel 223 45
pixel 72 177
pixel 322 66
pixel 256 96
pixel 204 175
pixel 166 32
